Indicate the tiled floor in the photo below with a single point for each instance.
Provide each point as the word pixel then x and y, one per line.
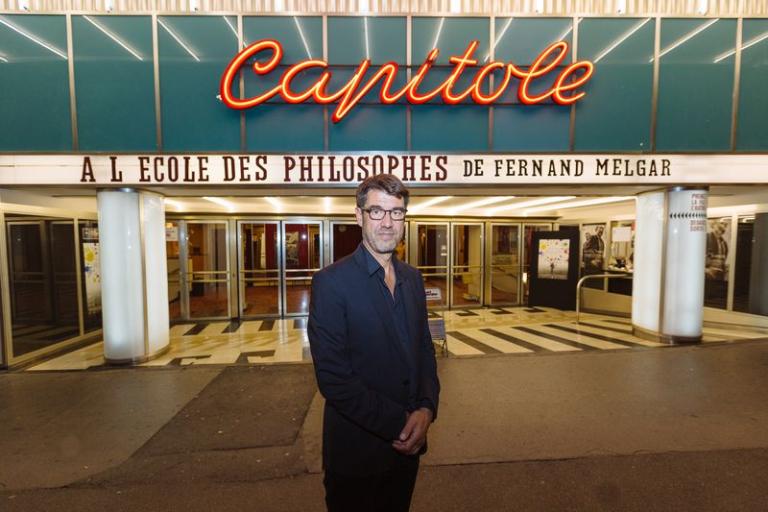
pixel 491 331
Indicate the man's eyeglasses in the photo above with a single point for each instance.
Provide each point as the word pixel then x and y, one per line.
pixel 376 213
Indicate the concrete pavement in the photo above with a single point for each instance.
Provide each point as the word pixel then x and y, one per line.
pixel 676 429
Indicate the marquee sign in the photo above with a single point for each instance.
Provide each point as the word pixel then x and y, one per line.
pixel 348 169
pixel 562 90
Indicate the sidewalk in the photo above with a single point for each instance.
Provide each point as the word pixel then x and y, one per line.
pixel 677 429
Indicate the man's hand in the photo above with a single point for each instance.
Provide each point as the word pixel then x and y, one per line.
pixel 414 433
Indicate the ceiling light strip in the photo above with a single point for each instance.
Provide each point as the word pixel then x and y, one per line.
pixel 221 202
pixel 579 204
pixel 482 202
pixel 531 202
pixel 428 203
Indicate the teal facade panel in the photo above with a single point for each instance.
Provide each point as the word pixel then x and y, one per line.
pixel 615 114
pixel 352 39
pixel 34 84
pixel 115 83
pixel 458 128
pixel 194 51
pixel 752 128
pixel 535 128
pixel 695 88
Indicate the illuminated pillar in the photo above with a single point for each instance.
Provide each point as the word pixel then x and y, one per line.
pixel 134 281
pixel 669 258
pixel 758 275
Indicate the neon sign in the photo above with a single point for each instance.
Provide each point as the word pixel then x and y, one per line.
pixel 562 90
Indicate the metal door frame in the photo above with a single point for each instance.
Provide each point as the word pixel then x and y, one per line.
pixel 322 223
pixel 239 289
pixel 186 280
pixel 452 262
pixel 489 264
pixel 331 223
pixel 33 214
pixel 413 248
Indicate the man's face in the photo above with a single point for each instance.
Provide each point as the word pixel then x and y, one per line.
pixel 381 236
pixel 719 228
pixel 599 230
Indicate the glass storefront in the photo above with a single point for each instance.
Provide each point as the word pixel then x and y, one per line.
pixel 504 264
pixel 43 280
pixel 90 279
pixel 745 230
pixel 259 269
pixel 114 87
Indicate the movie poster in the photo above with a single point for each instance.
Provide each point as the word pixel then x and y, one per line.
pixel 92 277
pixel 592 248
pixel 718 238
pixel 553 258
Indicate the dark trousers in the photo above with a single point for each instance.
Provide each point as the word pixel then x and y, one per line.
pixel 386 492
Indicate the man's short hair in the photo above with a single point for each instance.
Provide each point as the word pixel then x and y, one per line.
pixel 387 183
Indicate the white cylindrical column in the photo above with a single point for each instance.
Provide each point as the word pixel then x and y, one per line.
pixel 669 258
pixel 686 250
pixel 646 277
pixel 134 283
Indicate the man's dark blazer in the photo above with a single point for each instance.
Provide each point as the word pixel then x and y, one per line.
pixel 369 379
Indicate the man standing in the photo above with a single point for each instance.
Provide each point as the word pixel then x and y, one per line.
pixel 593 251
pixel 717 251
pixel 374 361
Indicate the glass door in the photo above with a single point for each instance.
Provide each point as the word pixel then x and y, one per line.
pixel 467 265
pixel 259 269
pixel 430 255
pixel 177 290
pixel 504 264
pixel 207 269
pixel 42 282
pixel 302 257
pixel 345 237
pixel 528 230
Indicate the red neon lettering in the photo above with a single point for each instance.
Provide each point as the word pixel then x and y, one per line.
pixel 357 87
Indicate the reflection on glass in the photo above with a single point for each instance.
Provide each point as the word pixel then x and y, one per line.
pixel 302 259
pixel 504 263
pixel 622 245
pixel 622 255
pixel 90 274
pixel 593 253
pixel 41 261
pixel 259 269
pixel 745 233
pixel 621 47
pixel 432 260
pixel 346 238
pixel 207 269
pixel 717 263
pixel 174 269
pixel 529 229
pixel 467 265
pixel 698 118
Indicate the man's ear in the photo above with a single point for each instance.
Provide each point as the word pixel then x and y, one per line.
pixel 359 216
